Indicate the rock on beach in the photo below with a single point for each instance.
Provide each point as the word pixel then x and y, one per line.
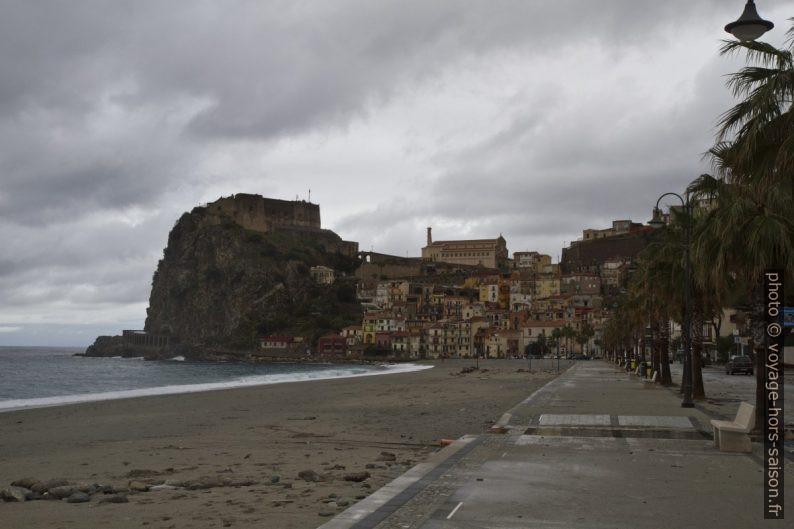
pixel 61 492
pixel 25 483
pixel 138 486
pixel 13 493
pixel 207 482
pixel 78 497
pixel 114 498
pixel 44 486
pixel 357 476
pixel 310 475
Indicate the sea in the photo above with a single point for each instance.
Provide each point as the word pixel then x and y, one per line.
pixel 32 377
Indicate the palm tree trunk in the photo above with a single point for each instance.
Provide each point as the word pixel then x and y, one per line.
pixel 641 358
pixel 685 366
pixel 655 344
pixel 664 348
pixel 698 391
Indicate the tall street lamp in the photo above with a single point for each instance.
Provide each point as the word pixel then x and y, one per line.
pixel 658 222
pixel 749 26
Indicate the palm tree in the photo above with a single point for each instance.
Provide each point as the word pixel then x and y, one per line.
pixel 750 226
pixel 662 277
pixel 556 334
pixel 661 331
pixel 586 332
pixel 755 141
pixel 633 308
pixel 749 231
pixel 652 282
pixel 568 333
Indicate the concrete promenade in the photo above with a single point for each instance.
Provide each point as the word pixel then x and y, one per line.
pixel 592 449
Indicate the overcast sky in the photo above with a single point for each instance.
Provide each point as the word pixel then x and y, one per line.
pixel 533 119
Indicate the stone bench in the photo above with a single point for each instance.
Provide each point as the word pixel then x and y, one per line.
pixel 732 436
pixel 651 382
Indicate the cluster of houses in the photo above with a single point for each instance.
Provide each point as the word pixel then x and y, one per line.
pixel 492 314
pixel 489 312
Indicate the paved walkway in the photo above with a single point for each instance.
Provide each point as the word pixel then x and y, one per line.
pixel 592 449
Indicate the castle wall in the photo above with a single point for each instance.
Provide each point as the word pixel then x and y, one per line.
pixel 382 271
pixel 257 213
pixel 383 266
pixel 348 248
pixel 589 255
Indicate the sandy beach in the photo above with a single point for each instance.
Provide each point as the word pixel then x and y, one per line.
pixel 234 456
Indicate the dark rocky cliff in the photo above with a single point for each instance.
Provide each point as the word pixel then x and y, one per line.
pixel 220 286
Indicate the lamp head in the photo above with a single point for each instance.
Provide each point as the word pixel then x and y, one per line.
pixel 750 25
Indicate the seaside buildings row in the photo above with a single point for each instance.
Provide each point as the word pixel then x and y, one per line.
pixel 467 298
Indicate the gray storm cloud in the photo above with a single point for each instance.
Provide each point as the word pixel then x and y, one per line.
pixel 477 117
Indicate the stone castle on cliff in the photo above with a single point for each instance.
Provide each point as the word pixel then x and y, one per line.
pixel 233 266
pixel 260 214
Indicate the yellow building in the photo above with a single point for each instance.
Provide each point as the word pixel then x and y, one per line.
pixel 546 287
pixel 489 293
pixel 369 327
pixel 497 292
pixel 532 261
pixel 480 278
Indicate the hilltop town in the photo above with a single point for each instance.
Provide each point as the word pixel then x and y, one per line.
pixel 468 298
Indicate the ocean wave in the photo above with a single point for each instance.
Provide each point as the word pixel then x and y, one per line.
pixel 246 381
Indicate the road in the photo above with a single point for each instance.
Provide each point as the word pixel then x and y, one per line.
pixel 725 391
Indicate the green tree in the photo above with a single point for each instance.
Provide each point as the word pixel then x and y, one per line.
pixel 542 345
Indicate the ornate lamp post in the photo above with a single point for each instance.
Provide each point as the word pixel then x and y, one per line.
pixel 658 222
pixel 749 26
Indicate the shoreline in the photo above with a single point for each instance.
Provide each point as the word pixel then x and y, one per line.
pixel 80 398
pixel 251 445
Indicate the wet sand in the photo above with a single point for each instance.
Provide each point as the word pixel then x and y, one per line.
pixel 240 439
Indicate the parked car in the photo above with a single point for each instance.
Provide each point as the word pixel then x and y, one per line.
pixel 739 364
